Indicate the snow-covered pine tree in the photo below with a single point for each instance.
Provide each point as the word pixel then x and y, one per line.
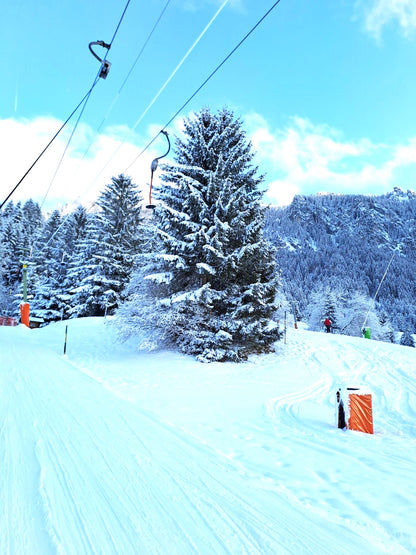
pixel 116 241
pixel 14 242
pixel 17 230
pixel 76 262
pixel 7 280
pixel 331 310
pixel 33 219
pixel 211 285
pixel 84 294
pixel 325 303
pixel 387 332
pixel 5 303
pixel 45 283
pixel 407 339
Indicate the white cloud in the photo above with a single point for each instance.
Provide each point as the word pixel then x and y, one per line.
pixel 281 193
pixel 89 164
pixel 306 158
pixel 379 13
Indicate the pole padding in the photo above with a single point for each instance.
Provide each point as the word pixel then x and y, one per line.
pixel 24 313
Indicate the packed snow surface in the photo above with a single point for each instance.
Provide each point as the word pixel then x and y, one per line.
pixel 107 449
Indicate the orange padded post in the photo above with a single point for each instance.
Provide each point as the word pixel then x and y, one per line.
pixel 24 314
pixel 361 413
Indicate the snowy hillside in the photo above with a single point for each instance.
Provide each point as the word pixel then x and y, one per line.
pixel 106 450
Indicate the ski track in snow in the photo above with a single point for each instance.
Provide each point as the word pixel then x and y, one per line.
pixel 99 458
pixel 395 394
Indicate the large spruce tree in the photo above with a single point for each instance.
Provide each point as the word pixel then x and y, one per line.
pixel 209 285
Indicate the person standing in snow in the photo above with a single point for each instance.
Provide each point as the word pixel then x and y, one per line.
pixel 327 324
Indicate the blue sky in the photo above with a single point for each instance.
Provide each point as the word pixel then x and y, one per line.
pixel 325 89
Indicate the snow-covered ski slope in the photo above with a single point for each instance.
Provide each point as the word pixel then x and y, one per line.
pixel 109 450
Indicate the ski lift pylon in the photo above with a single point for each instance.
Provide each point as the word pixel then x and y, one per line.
pixel 153 168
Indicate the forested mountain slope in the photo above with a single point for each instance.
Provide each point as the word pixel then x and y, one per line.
pixel 345 243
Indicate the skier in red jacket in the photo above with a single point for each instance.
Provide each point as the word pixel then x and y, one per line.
pixel 327 324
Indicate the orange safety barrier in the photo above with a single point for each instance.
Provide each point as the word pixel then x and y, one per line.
pixel 24 314
pixel 361 413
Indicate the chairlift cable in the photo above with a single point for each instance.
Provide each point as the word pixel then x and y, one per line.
pixel 206 80
pixel 162 89
pixel 134 64
pixel 85 98
pixel 119 23
pixel 144 45
pixel 222 63
pixel 121 88
pixel 200 87
pixel 102 73
pixel 46 147
pixel 66 147
pixel 380 284
pixel 180 64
